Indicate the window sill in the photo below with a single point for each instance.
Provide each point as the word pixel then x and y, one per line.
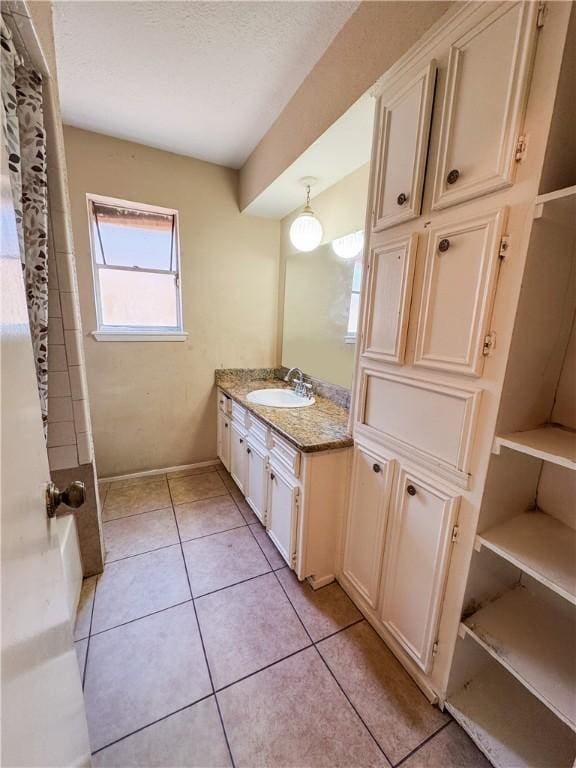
pixel 140 335
pixel 350 339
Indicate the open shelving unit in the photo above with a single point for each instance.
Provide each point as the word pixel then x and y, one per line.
pixel 551 442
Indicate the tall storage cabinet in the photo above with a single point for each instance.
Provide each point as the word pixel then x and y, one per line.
pixel 456 326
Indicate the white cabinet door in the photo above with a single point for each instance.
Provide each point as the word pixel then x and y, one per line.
pixel 283 513
pixel 483 109
pixel 390 276
pixel 238 456
pixel 256 480
pixel 461 271
pixel 223 439
pixel 401 144
pixel 416 560
pixel 366 523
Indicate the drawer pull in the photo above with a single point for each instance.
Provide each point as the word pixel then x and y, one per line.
pixel 376 467
pixel 453 176
pixel 443 245
pixel 410 490
pixel 402 198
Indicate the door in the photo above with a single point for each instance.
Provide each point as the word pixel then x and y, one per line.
pixel 223 439
pixel 460 276
pixel 391 272
pixel 401 140
pixel 417 555
pixel 283 513
pixel 366 523
pixel 238 455
pixel 484 101
pixel 257 480
pixel 44 721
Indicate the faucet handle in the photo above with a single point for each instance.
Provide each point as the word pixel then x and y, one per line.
pixel 308 390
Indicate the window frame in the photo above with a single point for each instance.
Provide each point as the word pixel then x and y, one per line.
pixel 105 332
pixel 352 338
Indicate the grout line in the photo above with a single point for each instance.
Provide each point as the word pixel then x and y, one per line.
pixel 235 584
pixel 89 632
pixel 216 533
pixel 159 720
pixel 197 501
pixel 342 629
pixel 423 743
pixel 133 514
pixel 267 666
pixel 138 554
pixel 145 616
pixel 201 635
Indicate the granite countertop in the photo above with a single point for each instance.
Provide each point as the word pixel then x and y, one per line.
pixel 322 426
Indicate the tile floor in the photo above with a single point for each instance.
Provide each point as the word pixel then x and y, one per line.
pixel 199 647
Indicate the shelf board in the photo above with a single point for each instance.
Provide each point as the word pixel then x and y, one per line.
pixel 550 443
pixel 558 206
pixel 535 641
pixel 509 725
pixel 539 545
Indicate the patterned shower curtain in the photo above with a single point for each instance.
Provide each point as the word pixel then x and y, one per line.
pixel 24 142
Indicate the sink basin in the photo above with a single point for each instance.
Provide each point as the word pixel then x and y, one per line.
pixel 279 398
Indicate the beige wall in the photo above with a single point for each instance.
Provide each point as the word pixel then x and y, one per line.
pixel 373 38
pixel 315 287
pixel 153 403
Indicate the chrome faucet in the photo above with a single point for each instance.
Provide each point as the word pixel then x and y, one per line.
pixel 301 387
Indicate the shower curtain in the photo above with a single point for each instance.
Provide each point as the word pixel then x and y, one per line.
pixel 24 142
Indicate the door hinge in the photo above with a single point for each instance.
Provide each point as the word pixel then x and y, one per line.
pixel 435 649
pixel 504 245
pixel 489 344
pixel 520 149
pixel 541 17
pixel 455 533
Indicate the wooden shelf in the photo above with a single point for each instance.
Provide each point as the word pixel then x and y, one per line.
pixel 550 443
pixel 509 725
pixel 535 641
pixel 558 206
pixel 539 545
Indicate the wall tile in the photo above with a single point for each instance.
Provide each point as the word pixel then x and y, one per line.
pixel 54 309
pixel 55 331
pixel 81 417
pixel 69 319
pixel 60 409
pixel 57 357
pixel 73 340
pixel 61 433
pixel 58 383
pixel 84 448
pixel 76 384
pixel 63 457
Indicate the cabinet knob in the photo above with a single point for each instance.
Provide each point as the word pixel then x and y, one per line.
pixel 410 490
pixel 225 425
pixel 402 198
pixel 248 450
pixel 453 176
pixel 376 467
pixel 241 441
pixel 443 245
pixel 272 476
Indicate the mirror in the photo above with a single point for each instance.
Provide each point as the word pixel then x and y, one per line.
pixel 322 287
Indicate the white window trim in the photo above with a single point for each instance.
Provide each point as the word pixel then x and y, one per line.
pixel 134 333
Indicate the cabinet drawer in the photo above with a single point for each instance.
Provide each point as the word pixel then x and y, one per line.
pixel 417 556
pixel 224 403
pixel 462 263
pixel 239 415
pixel 257 431
pixel 284 454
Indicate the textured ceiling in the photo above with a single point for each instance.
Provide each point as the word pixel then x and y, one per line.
pixel 205 79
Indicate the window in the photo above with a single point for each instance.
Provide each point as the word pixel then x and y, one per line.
pixel 354 310
pixel 136 268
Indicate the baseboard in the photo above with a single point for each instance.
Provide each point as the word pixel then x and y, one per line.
pixel 153 472
pixel 321 582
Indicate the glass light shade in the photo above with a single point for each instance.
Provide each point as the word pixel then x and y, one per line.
pixel 306 231
pixel 349 246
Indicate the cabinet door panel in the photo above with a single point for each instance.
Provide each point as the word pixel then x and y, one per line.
pixel 223 439
pixel 283 514
pixel 462 263
pixel 366 523
pixel 487 80
pixel 417 556
pixel 401 147
pixel 238 456
pixel 391 272
pixel 256 482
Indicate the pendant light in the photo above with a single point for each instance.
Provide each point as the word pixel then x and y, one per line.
pixel 349 246
pixel 306 231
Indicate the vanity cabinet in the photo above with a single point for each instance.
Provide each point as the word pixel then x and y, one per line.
pixel 403 129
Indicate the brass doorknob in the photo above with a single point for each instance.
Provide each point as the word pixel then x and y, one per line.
pixel 73 496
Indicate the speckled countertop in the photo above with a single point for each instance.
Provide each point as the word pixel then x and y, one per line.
pixel 322 426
